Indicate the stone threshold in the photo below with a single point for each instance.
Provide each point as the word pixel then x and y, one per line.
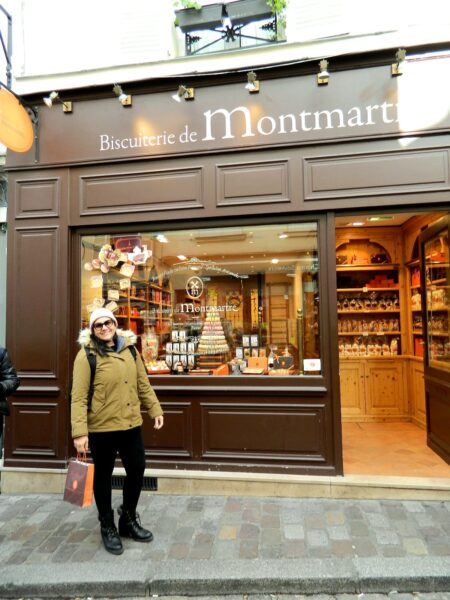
pixel 207 483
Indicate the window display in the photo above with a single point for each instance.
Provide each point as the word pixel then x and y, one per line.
pixel 229 301
pixel 437 301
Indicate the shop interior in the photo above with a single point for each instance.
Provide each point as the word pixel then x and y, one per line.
pixel 381 343
pixel 228 301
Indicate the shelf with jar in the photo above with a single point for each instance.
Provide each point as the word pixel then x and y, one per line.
pixel 139 303
pixel 368 307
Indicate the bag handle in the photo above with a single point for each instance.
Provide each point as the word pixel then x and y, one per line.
pixel 81 457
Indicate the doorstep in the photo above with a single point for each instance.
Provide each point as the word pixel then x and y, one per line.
pixel 207 483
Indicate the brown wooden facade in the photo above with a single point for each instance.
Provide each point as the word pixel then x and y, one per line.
pixel 289 425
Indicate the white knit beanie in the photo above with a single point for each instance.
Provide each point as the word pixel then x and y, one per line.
pixel 98 313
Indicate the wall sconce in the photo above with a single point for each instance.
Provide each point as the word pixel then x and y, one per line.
pixel 397 67
pixel 188 93
pixel 124 99
pixel 323 76
pixel 252 84
pixel 48 101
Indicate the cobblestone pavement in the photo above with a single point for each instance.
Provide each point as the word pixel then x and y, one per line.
pixel 391 596
pixel 38 529
pixel 209 545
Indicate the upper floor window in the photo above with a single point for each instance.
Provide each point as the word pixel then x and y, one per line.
pixel 230 25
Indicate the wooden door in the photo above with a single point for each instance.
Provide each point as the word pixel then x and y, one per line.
pixel 435 263
pixel 384 388
pixel 352 388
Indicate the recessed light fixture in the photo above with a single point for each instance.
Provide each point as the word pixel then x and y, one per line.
pixel 381 218
pixel 160 237
pixel 181 257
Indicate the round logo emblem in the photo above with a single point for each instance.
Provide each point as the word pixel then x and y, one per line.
pixel 194 287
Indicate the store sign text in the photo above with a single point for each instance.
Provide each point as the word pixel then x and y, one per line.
pixel 190 307
pixel 223 124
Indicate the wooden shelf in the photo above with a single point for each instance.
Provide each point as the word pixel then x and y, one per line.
pixel 367 288
pixel 365 311
pixel 368 333
pixel 371 267
pixel 438 282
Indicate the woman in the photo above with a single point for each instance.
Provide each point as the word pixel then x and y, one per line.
pixel 113 422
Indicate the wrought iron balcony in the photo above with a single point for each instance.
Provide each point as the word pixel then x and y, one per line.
pixel 227 21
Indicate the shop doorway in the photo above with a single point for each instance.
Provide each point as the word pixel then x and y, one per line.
pixel 381 342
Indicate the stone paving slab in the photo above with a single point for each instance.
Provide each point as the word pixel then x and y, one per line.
pixel 234 545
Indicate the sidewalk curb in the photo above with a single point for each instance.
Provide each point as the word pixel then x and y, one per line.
pixel 206 577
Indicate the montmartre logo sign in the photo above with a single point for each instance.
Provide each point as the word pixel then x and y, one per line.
pixel 224 124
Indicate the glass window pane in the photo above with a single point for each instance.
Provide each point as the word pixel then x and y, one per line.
pixel 437 300
pixel 231 301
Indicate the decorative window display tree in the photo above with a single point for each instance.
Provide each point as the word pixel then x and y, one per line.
pixel 212 348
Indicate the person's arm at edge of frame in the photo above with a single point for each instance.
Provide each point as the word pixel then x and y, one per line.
pixel 9 382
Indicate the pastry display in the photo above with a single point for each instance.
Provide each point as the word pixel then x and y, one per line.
pixel 212 339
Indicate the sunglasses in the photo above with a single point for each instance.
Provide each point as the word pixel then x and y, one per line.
pixel 99 326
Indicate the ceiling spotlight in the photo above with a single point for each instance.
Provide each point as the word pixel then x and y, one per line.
pixel 380 218
pixel 188 93
pixel 323 76
pixel 252 84
pixel 397 67
pixel 48 101
pixel 124 99
pixel 160 237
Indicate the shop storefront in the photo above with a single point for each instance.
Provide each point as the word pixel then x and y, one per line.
pixel 208 227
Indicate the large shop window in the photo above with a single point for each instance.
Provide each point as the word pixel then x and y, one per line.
pixel 226 301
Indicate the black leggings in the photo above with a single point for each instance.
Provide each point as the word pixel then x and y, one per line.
pixel 104 447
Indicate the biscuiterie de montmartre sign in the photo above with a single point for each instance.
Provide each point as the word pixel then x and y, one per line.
pixel 294 110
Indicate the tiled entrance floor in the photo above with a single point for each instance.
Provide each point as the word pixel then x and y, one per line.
pixel 389 449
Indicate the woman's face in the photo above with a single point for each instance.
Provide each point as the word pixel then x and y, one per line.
pixel 104 329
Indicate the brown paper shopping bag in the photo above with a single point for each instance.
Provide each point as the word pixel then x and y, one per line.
pixel 79 482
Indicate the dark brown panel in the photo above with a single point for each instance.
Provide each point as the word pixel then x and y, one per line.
pixel 34 313
pixel 171 189
pixel 255 183
pixel 289 432
pixel 37 198
pixel 374 174
pixel 175 438
pixel 35 430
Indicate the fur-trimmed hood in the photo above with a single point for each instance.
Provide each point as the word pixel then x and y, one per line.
pixel 129 337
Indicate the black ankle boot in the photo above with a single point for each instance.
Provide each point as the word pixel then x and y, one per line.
pixel 110 535
pixel 130 526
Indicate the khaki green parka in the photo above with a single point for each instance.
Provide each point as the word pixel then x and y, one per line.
pixel 121 386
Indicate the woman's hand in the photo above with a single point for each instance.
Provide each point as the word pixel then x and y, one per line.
pixel 159 422
pixel 81 444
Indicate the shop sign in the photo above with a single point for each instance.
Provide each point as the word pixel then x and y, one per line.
pixel 355 104
pixel 194 287
pixel 16 129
